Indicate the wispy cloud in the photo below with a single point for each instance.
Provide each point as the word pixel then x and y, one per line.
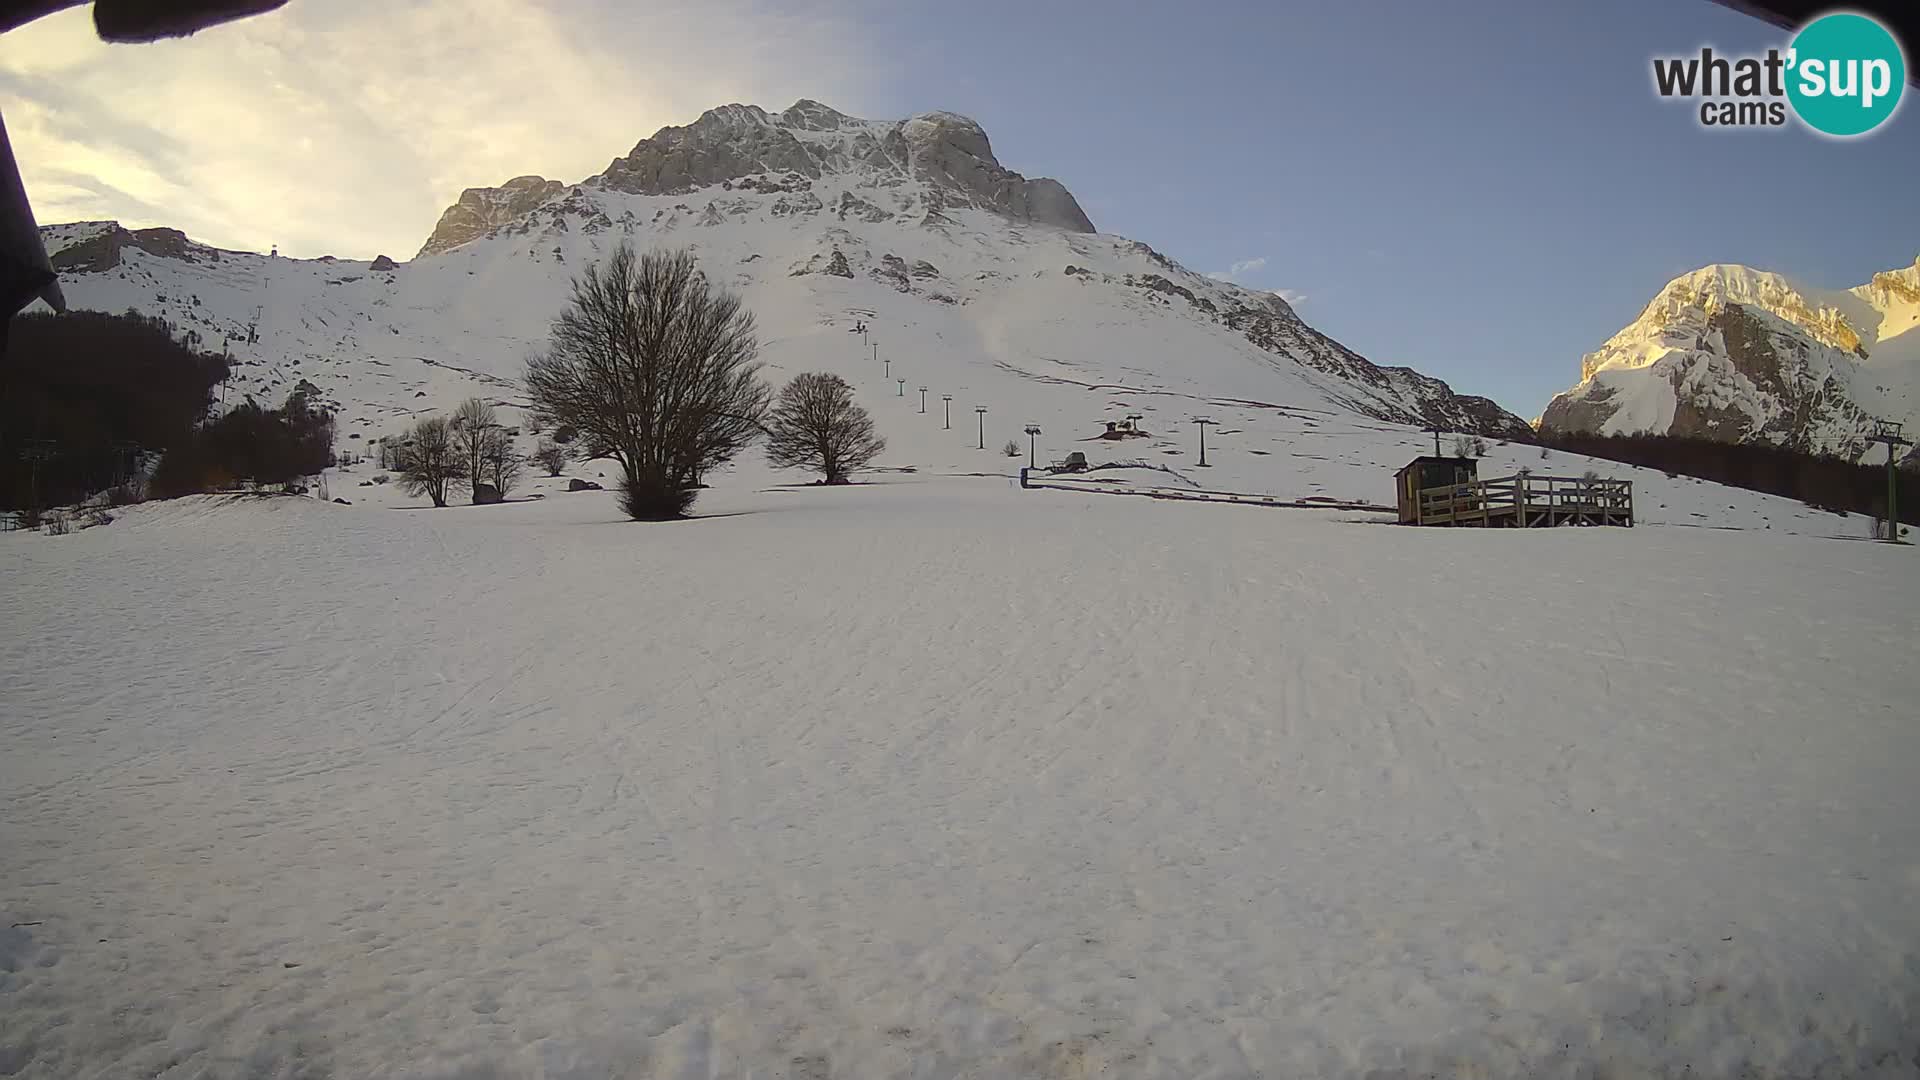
pixel 1291 296
pixel 1239 269
pixel 345 127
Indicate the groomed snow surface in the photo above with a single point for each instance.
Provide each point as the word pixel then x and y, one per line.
pixel 941 778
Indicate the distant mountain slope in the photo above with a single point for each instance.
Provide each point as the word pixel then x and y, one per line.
pixel 1737 354
pixel 972 280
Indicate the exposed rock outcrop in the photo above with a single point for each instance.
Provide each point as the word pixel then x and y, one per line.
pixel 482 210
pixel 851 205
pixel 952 151
pixel 102 251
pixel 893 271
pixel 834 263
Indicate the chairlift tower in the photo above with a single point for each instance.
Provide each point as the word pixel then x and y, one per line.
pixel 35 453
pixel 1886 431
pixel 123 455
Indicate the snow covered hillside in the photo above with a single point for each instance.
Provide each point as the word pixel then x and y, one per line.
pixel 936 778
pixel 1732 353
pixel 973 280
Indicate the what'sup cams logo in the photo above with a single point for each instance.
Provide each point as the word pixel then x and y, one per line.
pixel 1842 75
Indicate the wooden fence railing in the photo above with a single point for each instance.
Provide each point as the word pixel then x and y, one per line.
pixel 1083 482
pixel 1529 501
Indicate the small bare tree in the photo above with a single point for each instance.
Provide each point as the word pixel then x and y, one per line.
pixel 428 461
pixel 654 366
pixel 499 465
pixel 551 456
pixel 816 425
pixel 472 425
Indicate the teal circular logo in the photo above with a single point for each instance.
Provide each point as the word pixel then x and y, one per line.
pixel 1845 73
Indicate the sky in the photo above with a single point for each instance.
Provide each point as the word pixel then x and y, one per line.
pixel 1483 191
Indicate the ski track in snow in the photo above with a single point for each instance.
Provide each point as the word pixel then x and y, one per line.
pixel 939 778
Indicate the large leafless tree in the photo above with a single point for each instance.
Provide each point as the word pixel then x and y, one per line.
pixel 817 425
pixel 655 367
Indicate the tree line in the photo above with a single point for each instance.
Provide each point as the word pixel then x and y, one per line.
pixel 249 442
pixel 1829 483
pixel 88 398
pixel 84 394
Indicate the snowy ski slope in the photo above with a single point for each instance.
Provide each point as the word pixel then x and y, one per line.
pixel 934 777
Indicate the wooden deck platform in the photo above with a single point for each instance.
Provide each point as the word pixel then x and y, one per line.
pixel 1528 501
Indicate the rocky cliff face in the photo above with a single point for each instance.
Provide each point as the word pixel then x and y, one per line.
pixel 1736 354
pixel 482 210
pixel 945 150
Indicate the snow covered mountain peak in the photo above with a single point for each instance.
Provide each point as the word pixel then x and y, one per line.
pixel 1895 296
pixel 928 163
pixel 1734 353
pixel 1712 288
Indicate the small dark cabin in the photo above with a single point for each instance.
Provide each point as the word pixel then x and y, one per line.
pixel 1429 472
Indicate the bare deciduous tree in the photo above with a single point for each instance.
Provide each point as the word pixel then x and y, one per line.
pixel 816 425
pixel 472 424
pixel 551 456
pixel 499 465
pixel 654 366
pixel 1469 446
pixel 428 461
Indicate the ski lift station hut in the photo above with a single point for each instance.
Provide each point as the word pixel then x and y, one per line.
pixel 1429 471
